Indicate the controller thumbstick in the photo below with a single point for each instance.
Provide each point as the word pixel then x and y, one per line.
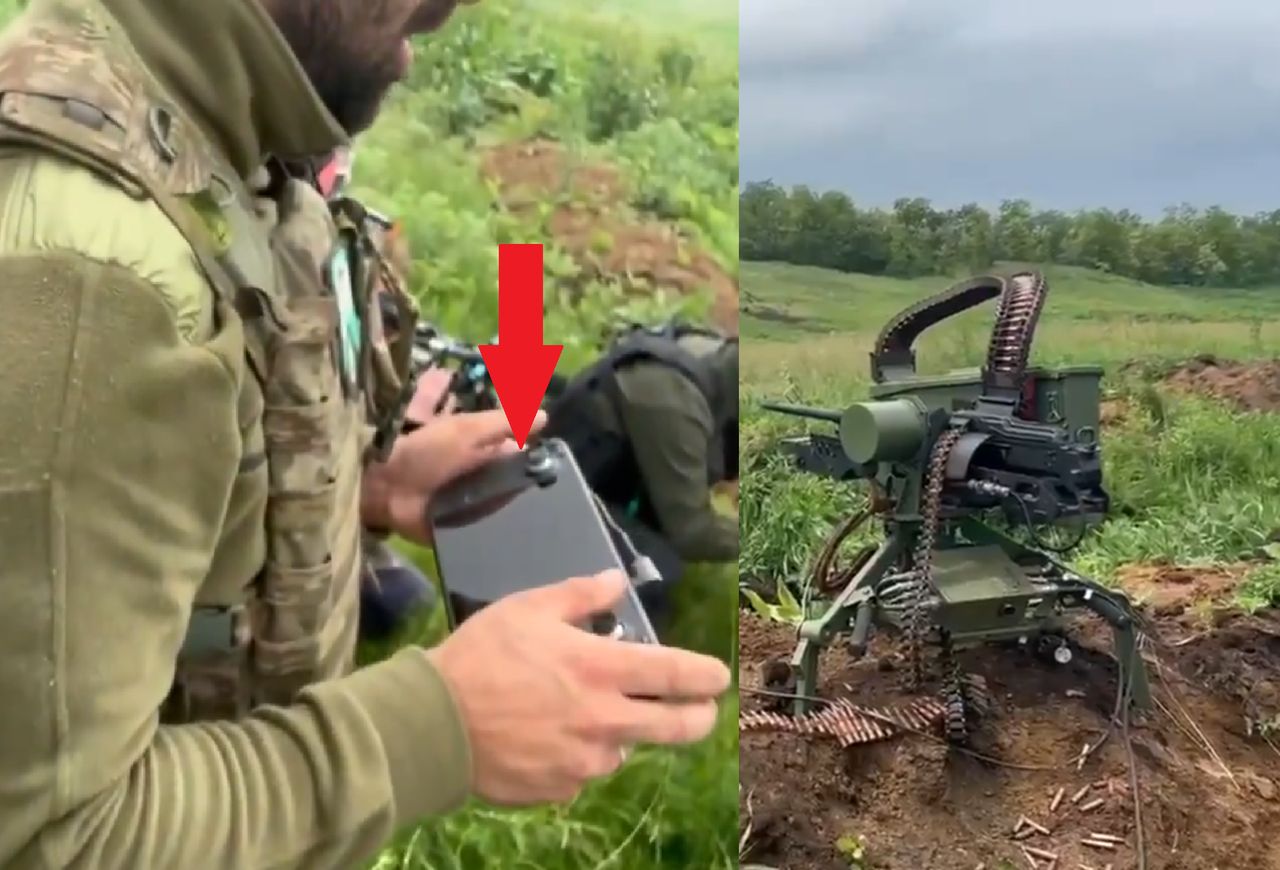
pixel 541 466
pixel 607 625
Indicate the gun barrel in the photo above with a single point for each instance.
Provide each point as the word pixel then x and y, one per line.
pixel 802 411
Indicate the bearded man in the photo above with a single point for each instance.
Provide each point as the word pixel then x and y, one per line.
pixel 200 417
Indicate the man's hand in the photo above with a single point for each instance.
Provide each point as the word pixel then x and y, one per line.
pixel 431 392
pixel 549 706
pixel 395 493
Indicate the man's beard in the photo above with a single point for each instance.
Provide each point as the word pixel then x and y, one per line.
pixel 354 98
pixel 352 79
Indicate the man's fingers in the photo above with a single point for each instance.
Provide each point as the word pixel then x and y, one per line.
pixel 484 428
pixel 432 386
pixel 647 671
pixel 539 422
pixel 624 721
pixel 579 598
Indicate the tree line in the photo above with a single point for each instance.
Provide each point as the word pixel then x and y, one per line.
pixel 1187 246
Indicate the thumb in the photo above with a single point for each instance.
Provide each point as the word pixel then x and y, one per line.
pixel 578 598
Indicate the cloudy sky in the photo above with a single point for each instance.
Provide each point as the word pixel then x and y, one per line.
pixel 1068 103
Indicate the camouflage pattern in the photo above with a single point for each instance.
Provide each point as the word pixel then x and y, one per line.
pixel 389 355
pixel 71 90
pixel 69 85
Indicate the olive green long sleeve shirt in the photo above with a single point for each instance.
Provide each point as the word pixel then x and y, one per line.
pixel 124 499
pixel 669 425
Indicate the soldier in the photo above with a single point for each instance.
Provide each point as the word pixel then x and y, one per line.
pixel 654 425
pixel 200 420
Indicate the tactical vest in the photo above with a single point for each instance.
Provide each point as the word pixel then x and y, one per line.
pixel 607 458
pixel 326 389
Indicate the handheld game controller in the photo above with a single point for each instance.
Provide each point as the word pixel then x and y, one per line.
pixel 531 520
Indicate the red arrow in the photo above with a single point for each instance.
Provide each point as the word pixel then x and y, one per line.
pixel 520 364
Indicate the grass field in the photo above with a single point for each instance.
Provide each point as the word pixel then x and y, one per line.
pixel 1193 480
pixel 1191 537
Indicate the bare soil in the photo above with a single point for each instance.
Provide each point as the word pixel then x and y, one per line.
pixel 1252 386
pixel 591 222
pixel 1208 784
pixel 1112 412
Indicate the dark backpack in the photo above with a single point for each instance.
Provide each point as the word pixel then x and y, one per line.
pixel 606 458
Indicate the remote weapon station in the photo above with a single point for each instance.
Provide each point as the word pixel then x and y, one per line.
pixel 941 454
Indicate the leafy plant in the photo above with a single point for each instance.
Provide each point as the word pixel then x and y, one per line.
pixel 787 609
pixel 853 849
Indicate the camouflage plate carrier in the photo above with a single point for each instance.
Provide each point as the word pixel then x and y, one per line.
pixel 328 390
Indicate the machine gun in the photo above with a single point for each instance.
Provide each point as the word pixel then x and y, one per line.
pixel 941 454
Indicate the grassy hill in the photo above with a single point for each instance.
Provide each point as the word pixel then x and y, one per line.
pixel 813 324
pixel 1190 473
pixel 715 22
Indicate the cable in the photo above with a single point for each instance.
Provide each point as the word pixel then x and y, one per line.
pixel 1035 536
pixel 1139 832
pixel 644 571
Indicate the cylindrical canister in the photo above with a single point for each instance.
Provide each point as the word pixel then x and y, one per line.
pixel 882 431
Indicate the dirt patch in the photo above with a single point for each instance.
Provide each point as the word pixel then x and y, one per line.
pixel 1253 386
pixel 1172 590
pixel 529 173
pixel 1205 803
pixel 589 220
pixel 1238 659
pixel 772 314
pixel 1113 412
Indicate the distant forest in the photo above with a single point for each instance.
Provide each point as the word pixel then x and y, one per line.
pixel 1188 247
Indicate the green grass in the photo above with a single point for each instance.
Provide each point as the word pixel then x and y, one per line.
pixel 1193 481
pixel 661 105
pixel 714 21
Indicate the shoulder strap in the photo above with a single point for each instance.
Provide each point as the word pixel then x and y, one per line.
pixel 72 86
pixel 660 345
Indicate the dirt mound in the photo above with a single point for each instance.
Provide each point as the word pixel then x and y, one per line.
pixel 590 222
pixel 528 173
pixel 1239 659
pixel 1208 783
pixel 1171 590
pixel 1251 386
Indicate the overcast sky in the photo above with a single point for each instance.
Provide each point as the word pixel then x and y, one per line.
pixel 1068 103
